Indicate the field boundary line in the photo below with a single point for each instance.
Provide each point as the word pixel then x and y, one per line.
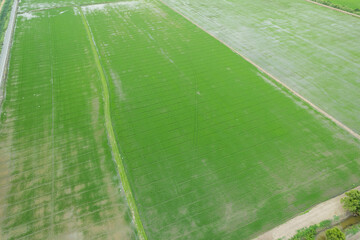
pixel 318 109
pixel 111 135
pixel 5 50
pixel 333 8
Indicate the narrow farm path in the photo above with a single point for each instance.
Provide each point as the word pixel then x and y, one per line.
pixel 324 211
pixel 111 134
pixel 5 50
pixel 318 109
pixel 336 9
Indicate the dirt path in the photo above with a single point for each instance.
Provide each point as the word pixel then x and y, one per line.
pixel 324 211
pixel 354 237
pixel 336 9
pixel 4 54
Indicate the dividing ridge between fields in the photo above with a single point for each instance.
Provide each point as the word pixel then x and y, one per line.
pixel 111 134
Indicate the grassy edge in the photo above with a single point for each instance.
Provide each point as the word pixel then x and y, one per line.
pixel 4 71
pixel 353 230
pixel 338 6
pixel 111 135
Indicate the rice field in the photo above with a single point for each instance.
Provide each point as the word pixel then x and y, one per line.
pixel 313 49
pixel 125 120
pixel 57 177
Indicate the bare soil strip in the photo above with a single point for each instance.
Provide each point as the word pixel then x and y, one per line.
pixel 336 9
pixel 324 211
pixel 327 115
pixel 354 237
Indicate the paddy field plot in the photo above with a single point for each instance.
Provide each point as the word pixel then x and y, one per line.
pixel 313 49
pixel 211 147
pixel 57 176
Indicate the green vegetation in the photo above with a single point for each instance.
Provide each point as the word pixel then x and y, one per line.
pixel 325 224
pixel 308 233
pixel 353 230
pixel 352 6
pixel 352 202
pixel 206 143
pixel 58 178
pixel 111 135
pixel 335 234
pixel 4 19
pixel 300 44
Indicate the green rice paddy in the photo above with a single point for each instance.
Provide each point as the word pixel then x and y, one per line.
pixel 354 4
pixel 58 179
pixel 126 121
pixel 313 49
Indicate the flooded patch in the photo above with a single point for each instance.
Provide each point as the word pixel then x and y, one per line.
pixel 28 16
pixel 105 6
